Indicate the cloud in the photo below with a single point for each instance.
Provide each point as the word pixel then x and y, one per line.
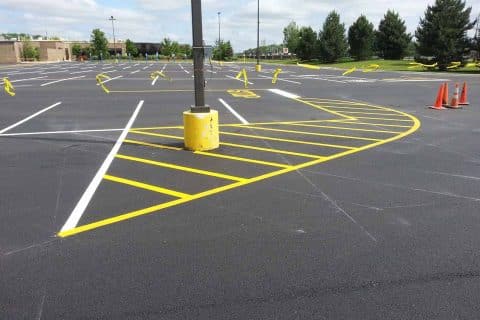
pixel 152 20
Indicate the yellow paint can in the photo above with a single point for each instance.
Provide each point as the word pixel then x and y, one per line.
pixel 201 130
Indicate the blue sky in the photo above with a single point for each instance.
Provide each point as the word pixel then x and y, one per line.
pixel 152 20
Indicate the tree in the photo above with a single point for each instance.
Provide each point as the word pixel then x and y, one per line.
pixel 222 51
pixel 99 43
pixel 291 35
pixel 306 44
pixel 131 48
pixel 361 38
pixel 169 47
pixel 77 50
pixel 332 43
pixel 442 32
pixel 29 52
pixel 392 40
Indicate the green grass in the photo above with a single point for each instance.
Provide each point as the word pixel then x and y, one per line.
pixel 388 65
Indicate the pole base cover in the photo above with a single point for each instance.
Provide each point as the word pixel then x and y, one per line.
pixel 258 67
pixel 201 130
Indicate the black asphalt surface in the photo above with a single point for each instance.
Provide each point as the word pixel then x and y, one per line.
pixel 390 232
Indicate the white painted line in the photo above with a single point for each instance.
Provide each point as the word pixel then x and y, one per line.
pixel 164 67
pixel 145 67
pixel 186 71
pixel 284 93
pixel 127 68
pixel 52 82
pixel 110 79
pixel 57 132
pixel 136 64
pixel 235 113
pixel 80 72
pixel 20 80
pixel 82 204
pixel 133 72
pixel 238 79
pixel 154 80
pixel 278 79
pixel 29 117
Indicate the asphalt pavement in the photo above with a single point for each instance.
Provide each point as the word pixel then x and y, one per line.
pixel 330 196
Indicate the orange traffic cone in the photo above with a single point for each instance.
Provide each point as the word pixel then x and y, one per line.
pixel 438 101
pixel 454 103
pixel 463 97
pixel 445 95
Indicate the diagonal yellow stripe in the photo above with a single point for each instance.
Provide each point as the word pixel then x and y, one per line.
pixel 146 186
pixel 153 145
pixel 288 140
pixel 344 128
pixel 291 153
pixel 311 133
pixel 180 168
pixel 385 119
pixel 376 124
pixel 223 156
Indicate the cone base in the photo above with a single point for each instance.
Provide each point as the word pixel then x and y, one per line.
pixel 435 108
pixel 464 104
pixel 455 107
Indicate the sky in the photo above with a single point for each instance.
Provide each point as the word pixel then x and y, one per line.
pixel 153 20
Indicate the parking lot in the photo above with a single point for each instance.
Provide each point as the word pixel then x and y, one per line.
pixel 330 196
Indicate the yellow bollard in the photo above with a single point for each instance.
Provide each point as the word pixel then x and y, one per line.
pixel 243 73
pixel 201 130
pixel 8 87
pixel 275 75
pixel 258 67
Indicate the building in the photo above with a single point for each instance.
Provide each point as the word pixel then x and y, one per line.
pixel 49 50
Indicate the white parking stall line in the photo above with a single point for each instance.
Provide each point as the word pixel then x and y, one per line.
pixel 237 79
pixel 20 80
pixel 284 93
pixel 235 113
pixel 108 80
pixel 56 81
pixel 133 72
pixel 155 80
pixel 278 79
pixel 29 117
pixel 82 204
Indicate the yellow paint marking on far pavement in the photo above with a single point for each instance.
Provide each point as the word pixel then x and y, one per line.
pixel 223 156
pixel 343 128
pixel 153 145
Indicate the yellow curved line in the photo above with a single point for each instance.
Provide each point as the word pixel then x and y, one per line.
pixel 130 215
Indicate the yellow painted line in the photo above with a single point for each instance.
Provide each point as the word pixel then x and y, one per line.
pixel 376 113
pixel 223 156
pixel 288 140
pixel 330 101
pixel 386 119
pixel 137 213
pixel 312 133
pixel 153 145
pixel 146 186
pixel 324 109
pixel 291 153
pixel 344 128
pixel 180 168
pixel 355 108
pixel 377 124
pixel 156 134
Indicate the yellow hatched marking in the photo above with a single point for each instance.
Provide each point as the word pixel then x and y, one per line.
pixel 153 145
pixel 377 124
pixel 312 133
pixel 355 108
pixel 324 109
pixel 344 128
pixel 386 119
pixel 377 113
pixel 180 168
pixel 244 146
pixel 146 186
pixel 284 122
pixel 288 140
pixel 223 156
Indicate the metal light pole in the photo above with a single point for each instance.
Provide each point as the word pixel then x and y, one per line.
pixel 219 13
pixel 198 57
pixel 258 67
pixel 113 31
